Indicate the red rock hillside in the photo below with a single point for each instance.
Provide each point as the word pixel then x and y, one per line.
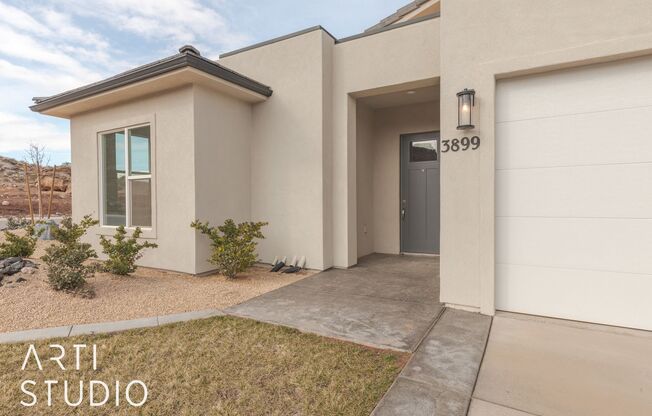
pixel 13 193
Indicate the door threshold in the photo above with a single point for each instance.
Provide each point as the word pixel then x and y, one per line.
pixel 407 253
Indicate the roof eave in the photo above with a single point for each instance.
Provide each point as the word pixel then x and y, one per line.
pixel 150 71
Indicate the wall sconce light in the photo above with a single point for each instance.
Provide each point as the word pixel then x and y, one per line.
pixel 465 104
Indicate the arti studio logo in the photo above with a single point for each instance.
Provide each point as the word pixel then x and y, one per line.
pixel 96 392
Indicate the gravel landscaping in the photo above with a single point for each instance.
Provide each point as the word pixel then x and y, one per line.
pixel 31 304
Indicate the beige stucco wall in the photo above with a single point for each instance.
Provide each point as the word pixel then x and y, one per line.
pixel 311 202
pixel 303 146
pixel 201 168
pixel 407 55
pixel 365 179
pixel 171 114
pixel 502 39
pixel 289 144
pixel 223 130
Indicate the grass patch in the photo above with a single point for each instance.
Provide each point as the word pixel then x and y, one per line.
pixel 218 366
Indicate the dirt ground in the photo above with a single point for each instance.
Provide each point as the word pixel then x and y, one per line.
pixel 13 192
pixel 18 206
pixel 148 292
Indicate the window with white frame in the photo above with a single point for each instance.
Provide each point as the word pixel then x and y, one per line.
pixel 127 177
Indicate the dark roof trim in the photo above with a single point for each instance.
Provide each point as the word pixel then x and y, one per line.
pixel 182 60
pixel 311 29
pixel 278 39
pixel 398 15
pixel 388 28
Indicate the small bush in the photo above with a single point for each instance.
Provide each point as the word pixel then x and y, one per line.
pixel 15 223
pixel 66 259
pixel 19 246
pixel 234 248
pixel 124 252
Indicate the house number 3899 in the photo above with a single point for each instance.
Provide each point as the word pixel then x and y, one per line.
pixel 462 144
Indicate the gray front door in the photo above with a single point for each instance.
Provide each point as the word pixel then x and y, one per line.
pixel 419 205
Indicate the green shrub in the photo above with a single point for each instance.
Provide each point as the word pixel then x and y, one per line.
pixel 66 259
pixel 234 248
pixel 15 223
pixel 124 252
pixel 19 246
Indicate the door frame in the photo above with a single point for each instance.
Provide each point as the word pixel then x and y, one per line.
pixel 402 137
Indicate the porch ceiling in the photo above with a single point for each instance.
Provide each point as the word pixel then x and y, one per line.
pixel 401 98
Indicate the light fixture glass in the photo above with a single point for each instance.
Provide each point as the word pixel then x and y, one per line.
pixel 465 104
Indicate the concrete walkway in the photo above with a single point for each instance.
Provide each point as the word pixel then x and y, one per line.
pixel 104 327
pixel 440 377
pixel 385 301
pixel 542 366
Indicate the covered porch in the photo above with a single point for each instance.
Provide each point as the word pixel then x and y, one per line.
pixel 385 301
pixel 397 164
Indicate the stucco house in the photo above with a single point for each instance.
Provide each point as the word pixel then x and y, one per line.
pixel 508 137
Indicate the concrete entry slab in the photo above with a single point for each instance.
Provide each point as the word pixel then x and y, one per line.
pixel 440 376
pixel 411 398
pixel 449 357
pixel 552 367
pixel 385 301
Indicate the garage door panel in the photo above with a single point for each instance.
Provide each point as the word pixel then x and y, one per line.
pixel 603 191
pixel 590 244
pixel 584 139
pixel 574 194
pixel 612 298
pixel 576 91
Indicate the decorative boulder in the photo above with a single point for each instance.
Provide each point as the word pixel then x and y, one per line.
pixel 60 185
pixel 12 265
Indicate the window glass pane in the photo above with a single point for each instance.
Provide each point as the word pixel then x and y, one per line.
pixel 139 151
pixel 141 202
pixel 423 151
pixel 113 163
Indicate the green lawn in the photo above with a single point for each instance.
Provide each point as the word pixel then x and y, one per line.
pixel 218 366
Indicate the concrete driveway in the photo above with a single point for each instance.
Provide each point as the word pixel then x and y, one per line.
pixel 385 301
pixel 541 366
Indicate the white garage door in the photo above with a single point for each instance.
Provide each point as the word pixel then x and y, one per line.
pixel 574 194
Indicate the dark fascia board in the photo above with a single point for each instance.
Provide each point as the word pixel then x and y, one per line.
pixel 398 15
pixel 278 39
pixel 151 70
pixel 313 28
pixel 388 28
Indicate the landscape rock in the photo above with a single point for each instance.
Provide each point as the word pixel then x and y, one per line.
pixel 27 270
pixel 60 185
pixel 20 280
pixel 8 261
pixel 5 203
pixel 29 263
pixel 13 268
pixel 13 265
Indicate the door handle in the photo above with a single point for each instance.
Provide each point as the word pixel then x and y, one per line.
pixel 402 213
